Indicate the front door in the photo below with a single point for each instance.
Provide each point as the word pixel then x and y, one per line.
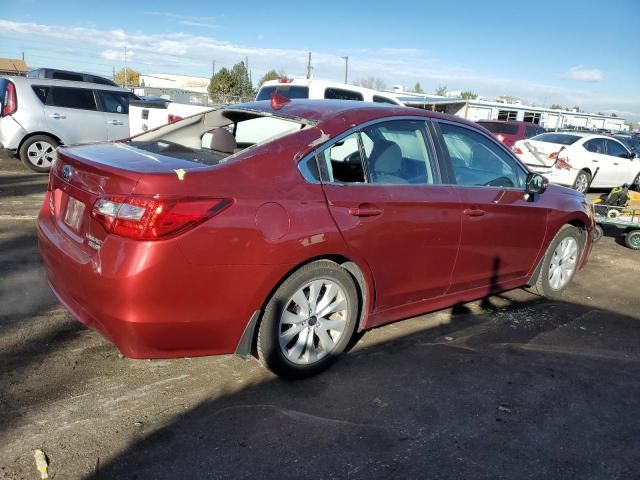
pixel 622 168
pixel 116 113
pixel 502 231
pixel 384 192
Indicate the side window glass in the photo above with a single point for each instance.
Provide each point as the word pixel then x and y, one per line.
pixel 343 162
pixel 595 146
pixel 381 99
pixel 80 98
pixel 115 102
pixel 614 149
pixel 41 92
pixel 477 161
pixel 398 153
pixel 341 94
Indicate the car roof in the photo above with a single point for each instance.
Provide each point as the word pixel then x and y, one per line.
pixel 323 112
pixel 64 83
pixel 511 122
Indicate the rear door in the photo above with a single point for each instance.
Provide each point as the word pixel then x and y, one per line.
pixel 502 232
pixel 115 106
pixel 384 192
pixel 72 115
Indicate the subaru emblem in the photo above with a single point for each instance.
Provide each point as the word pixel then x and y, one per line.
pixel 67 171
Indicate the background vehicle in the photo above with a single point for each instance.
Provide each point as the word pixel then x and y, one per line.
pixel 322 89
pixel 509 132
pixel 37 115
pixel 152 112
pixel 632 142
pixel 355 215
pixel 580 160
pixel 56 74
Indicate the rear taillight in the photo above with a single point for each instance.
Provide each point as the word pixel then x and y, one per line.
pixel 9 102
pixel 517 150
pixel 150 218
pixel 553 156
pixel 174 118
pixel 563 164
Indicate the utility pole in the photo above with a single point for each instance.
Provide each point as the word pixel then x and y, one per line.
pixel 214 68
pixel 114 73
pixel 309 67
pixel 346 68
pixel 23 56
pixel 125 67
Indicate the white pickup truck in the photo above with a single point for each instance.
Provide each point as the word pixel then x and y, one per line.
pixel 152 112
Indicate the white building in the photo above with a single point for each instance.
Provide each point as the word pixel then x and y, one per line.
pixel 475 110
pixel 179 82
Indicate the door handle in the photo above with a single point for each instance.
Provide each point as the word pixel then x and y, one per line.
pixel 115 122
pixel 473 212
pixel 594 161
pixel 365 211
pixel 57 116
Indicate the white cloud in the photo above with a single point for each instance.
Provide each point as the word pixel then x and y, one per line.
pixel 191 23
pixel 583 74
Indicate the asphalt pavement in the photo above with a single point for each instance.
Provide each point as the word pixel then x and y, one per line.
pixel 514 386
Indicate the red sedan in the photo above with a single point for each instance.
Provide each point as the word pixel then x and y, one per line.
pixel 280 228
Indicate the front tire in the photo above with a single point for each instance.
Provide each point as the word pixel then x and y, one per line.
pixel 636 183
pixel 308 321
pixel 597 233
pixel 582 181
pixel 38 153
pixel 560 263
pixel 632 239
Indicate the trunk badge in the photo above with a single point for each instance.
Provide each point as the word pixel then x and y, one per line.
pixel 67 172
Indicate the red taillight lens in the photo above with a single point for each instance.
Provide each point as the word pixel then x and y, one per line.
pixel 517 150
pixel 174 118
pixel 553 156
pixel 10 102
pixel 149 218
pixel 563 164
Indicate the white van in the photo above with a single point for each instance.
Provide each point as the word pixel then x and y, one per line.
pixel 322 89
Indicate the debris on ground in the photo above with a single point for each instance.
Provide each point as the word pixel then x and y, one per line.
pixel 504 408
pixel 448 339
pixel 41 463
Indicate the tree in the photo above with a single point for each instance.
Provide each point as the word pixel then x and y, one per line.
pixel 555 106
pixel 272 75
pixel 374 83
pixel 614 115
pixel 441 90
pixel 133 78
pixel 231 85
pixel 417 88
pixel 576 108
pixel 467 95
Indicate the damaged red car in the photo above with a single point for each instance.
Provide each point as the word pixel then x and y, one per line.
pixel 279 229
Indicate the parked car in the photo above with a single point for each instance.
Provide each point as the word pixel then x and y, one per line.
pixel 37 115
pixel 632 142
pixel 580 160
pixel 322 89
pixel 184 242
pixel 510 131
pixel 152 112
pixel 57 74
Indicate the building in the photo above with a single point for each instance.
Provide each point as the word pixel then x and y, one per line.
pixel 176 82
pixel 475 110
pixel 13 67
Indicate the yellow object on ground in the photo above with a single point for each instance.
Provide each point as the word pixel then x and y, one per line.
pixel 41 463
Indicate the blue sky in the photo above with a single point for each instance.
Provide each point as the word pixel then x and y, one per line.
pixel 573 53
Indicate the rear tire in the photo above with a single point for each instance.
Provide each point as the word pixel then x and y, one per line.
pixel 597 233
pixel 632 239
pixel 308 321
pixel 582 181
pixel 38 153
pixel 560 263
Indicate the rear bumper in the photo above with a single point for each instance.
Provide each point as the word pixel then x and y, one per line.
pixel 146 299
pixel 11 133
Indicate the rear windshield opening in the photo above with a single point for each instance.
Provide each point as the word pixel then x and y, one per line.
pixel 213 137
pixel 289 91
pixel 505 128
pixel 559 138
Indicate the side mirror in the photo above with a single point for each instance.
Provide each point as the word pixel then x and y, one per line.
pixel 535 183
pixel 633 155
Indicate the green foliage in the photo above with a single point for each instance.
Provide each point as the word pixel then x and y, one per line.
pixel 555 106
pixel 231 85
pixel 613 114
pixel 133 78
pixel 272 75
pixel 417 88
pixel 467 95
pixel 441 90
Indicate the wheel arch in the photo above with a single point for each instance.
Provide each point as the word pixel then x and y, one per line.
pixel 247 346
pixel 33 134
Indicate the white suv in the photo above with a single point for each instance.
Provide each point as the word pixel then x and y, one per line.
pixel 37 115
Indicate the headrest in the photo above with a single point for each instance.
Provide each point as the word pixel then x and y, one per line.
pixel 223 141
pixel 389 160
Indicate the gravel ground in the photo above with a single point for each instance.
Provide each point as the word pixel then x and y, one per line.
pixel 511 387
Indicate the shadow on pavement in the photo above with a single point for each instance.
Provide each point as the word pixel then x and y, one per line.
pixel 518 393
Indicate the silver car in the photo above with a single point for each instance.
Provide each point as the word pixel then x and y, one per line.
pixel 37 115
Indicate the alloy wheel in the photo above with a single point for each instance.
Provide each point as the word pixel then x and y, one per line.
pixel 313 321
pixel 42 154
pixel 582 182
pixel 563 263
